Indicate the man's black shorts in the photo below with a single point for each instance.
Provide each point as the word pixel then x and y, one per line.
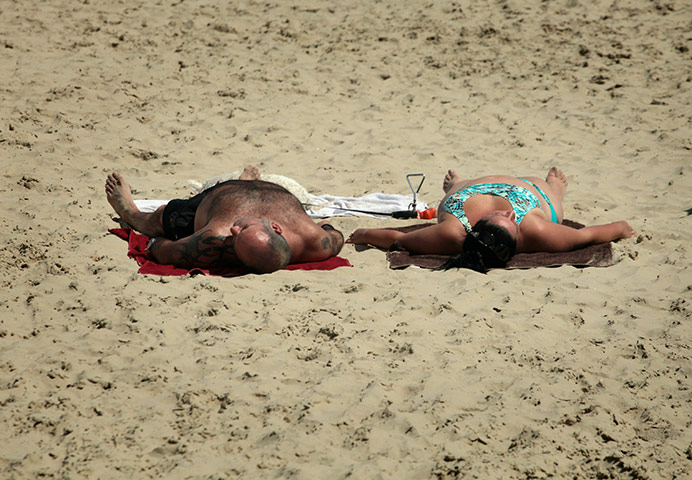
pixel 179 215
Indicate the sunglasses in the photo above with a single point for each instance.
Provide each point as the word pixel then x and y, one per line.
pixel 488 241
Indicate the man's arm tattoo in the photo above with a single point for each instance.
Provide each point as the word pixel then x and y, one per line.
pixel 330 242
pixel 202 250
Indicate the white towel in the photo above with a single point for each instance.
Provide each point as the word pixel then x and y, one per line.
pixel 316 206
pixel 323 205
pixel 149 205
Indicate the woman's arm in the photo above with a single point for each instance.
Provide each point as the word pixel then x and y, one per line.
pixel 441 238
pixel 377 237
pixel 542 236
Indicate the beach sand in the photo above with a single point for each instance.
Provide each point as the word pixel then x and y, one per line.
pixel 361 372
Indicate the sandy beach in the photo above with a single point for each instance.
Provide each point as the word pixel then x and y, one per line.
pixel 363 371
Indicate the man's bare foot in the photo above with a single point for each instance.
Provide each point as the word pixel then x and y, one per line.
pixel 450 179
pixel 557 181
pixel 119 196
pixel 250 173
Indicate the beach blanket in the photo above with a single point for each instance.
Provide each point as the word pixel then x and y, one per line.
pixel 137 245
pixel 593 256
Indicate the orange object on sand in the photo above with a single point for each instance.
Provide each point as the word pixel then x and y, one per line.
pixel 427 214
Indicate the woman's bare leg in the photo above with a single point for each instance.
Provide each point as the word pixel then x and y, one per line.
pixel 557 181
pixel 119 195
pixel 450 179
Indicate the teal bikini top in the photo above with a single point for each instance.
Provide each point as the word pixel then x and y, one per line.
pixel 521 199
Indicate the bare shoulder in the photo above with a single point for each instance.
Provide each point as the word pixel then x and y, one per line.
pixel 313 242
pixel 450 229
pixel 537 234
pixel 443 238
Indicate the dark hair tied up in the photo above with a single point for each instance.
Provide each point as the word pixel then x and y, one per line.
pixel 486 246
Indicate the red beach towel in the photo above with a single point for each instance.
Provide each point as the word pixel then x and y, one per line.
pixel 137 249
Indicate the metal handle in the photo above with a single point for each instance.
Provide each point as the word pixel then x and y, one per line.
pixel 412 205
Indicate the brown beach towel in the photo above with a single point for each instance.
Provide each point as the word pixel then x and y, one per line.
pixel 593 256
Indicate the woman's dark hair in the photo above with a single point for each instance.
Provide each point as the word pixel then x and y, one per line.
pixel 486 246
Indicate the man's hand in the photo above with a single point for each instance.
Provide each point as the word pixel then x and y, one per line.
pixel 202 249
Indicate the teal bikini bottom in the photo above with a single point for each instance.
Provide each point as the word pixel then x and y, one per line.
pixel 553 215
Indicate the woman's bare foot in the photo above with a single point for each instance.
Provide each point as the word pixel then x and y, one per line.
pixel 250 173
pixel 557 181
pixel 450 179
pixel 119 195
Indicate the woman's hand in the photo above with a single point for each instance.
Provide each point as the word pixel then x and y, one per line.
pixel 358 236
pixel 625 230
